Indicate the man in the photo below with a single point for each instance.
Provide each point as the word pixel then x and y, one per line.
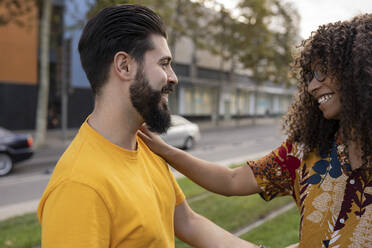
pixel 108 189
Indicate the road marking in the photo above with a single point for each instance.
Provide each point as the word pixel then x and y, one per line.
pixel 266 218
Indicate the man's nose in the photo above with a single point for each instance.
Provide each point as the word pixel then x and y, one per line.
pixel 172 77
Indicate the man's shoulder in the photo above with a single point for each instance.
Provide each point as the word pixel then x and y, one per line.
pixel 79 169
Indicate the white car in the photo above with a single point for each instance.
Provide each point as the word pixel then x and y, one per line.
pixel 182 133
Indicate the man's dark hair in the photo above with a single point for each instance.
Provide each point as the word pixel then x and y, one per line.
pixel 125 27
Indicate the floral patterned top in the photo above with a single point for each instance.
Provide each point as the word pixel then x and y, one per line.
pixel 335 202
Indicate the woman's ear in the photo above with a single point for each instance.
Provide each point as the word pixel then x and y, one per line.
pixel 124 66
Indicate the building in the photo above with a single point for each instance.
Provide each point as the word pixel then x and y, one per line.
pixel 204 92
pixel 19 68
pixel 18 73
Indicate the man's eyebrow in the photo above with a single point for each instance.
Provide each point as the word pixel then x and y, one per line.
pixel 167 59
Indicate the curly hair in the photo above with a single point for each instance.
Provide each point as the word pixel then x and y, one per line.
pixel 345 48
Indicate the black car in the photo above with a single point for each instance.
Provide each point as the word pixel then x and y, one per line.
pixel 13 148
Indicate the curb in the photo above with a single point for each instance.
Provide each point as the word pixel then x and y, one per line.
pixel 17 209
pixel 270 216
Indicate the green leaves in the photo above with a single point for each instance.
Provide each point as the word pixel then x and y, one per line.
pixel 19 12
pixel 268 40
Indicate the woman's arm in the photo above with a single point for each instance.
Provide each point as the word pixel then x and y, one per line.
pixel 211 176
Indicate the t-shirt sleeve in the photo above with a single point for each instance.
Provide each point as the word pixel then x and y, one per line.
pixel 180 196
pixel 74 215
pixel 275 173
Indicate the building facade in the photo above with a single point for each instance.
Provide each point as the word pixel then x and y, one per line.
pixel 206 91
pixel 19 62
pixel 18 72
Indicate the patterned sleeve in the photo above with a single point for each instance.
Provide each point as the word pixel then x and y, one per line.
pixel 275 173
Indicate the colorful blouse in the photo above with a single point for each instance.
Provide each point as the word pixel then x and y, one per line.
pixel 335 202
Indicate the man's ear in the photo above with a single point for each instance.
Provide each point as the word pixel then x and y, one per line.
pixel 124 66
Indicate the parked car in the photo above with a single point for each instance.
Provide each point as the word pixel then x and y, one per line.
pixel 182 133
pixel 13 148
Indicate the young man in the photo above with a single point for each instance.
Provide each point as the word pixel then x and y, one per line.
pixel 108 189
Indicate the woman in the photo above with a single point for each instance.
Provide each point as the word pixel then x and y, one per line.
pixel 326 162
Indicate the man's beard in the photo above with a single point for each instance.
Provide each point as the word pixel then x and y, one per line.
pixel 149 104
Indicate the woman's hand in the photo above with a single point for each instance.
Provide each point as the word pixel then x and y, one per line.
pixel 153 141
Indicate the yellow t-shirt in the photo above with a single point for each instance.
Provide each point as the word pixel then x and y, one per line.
pixel 101 195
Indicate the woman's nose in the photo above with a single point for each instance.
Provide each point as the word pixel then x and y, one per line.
pixel 313 86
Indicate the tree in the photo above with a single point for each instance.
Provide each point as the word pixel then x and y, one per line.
pixel 15 11
pixel 183 18
pixel 224 39
pixel 259 39
pixel 269 30
pixel 43 94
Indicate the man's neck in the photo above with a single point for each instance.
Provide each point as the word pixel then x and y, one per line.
pixel 118 128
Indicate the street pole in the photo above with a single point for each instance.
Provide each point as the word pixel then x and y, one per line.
pixel 64 88
pixel 66 44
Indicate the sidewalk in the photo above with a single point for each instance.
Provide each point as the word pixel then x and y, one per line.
pixel 56 139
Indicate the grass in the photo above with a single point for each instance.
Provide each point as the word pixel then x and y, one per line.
pixel 189 188
pixel 280 231
pixel 237 211
pixel 20 232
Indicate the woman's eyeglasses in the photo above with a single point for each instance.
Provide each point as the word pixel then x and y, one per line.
pixel 319 72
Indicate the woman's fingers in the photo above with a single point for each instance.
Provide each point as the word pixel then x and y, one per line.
pixel 143 136
pixel 145 130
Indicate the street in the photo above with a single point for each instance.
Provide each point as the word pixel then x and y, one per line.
pixel 225 145
pixel 234 143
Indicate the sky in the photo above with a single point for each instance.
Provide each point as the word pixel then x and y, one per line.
pixel 318 12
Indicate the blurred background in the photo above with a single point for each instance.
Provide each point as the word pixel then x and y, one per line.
pixel 232 59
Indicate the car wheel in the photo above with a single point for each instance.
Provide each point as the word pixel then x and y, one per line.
pixel 189 143
pixel 6 164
